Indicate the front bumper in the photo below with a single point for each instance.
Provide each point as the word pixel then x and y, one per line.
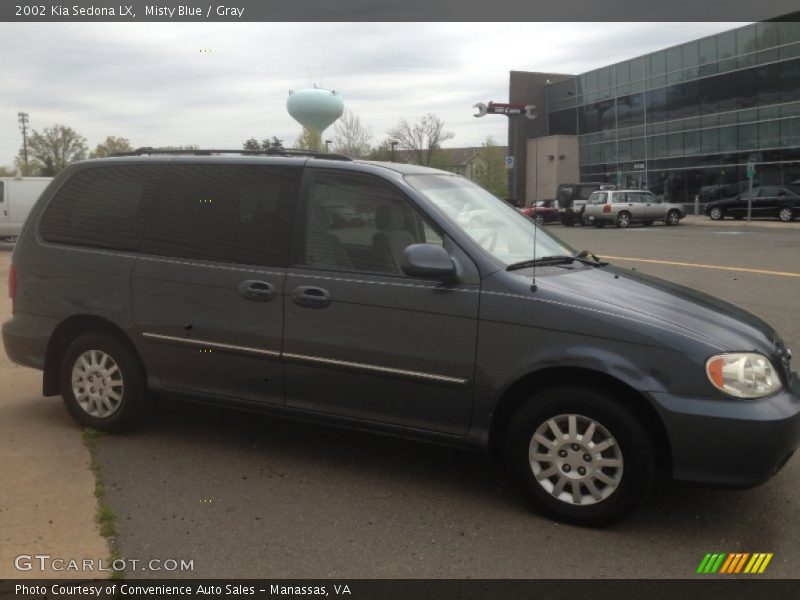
pixel 737 443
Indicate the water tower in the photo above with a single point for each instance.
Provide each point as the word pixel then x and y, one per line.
pixel 315 108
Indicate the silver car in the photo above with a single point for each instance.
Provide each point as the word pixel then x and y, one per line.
pixel 623 207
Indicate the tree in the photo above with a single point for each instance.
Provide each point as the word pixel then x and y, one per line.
pixel 52 150
pixel 440 160
pixel 7 172
pixel 490 170
pixel 112 145
pixel 351 137
pixel 310 139
pixel 382 152
pixel 422 138
pixel 186 147
pixel 27 169
pixel 254 145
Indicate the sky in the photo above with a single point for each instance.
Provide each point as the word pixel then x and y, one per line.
pixel 151 83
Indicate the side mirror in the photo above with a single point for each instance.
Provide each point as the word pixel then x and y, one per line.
pixel 429 261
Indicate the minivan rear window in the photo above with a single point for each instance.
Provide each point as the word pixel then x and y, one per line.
pixel 225 213
pixel 101 207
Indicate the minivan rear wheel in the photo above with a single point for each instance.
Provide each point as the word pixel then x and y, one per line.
pixel 102 383
pixel 623 219
pixel 579 455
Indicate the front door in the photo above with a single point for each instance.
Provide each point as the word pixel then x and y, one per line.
pixel 362 339
pixel 208 286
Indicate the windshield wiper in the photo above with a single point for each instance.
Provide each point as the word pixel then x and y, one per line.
pixel 564 259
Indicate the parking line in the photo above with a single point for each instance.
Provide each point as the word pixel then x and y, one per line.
pixel 702 266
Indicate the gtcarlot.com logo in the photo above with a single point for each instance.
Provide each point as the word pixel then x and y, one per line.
pixel 736 562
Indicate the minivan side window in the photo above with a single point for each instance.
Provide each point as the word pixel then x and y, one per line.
pixel 101 207
pixel 356 223
pixel 225 213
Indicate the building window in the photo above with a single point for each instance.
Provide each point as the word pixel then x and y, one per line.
pixel 728 139
pixel 709 140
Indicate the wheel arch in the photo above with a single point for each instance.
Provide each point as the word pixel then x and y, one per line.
pixel 64 333
pixel 528 385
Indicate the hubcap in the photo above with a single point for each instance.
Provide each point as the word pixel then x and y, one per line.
pixel 623 220
pixel 575 459
pixel 785 214
pixel 97 383
pixel 716 213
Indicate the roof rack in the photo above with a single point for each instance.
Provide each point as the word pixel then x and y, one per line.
pixel 273 151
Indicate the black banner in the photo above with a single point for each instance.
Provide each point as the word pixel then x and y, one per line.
pixel 746 587
pixel 393 10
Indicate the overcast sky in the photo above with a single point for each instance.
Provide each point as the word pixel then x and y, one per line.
pixel 151 84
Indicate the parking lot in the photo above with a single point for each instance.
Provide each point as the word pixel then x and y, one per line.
pixel 252 496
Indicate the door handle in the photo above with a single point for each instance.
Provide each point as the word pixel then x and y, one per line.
pixel 257 291
pixel 311 297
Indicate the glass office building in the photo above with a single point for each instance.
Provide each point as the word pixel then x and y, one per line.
pixel 686 120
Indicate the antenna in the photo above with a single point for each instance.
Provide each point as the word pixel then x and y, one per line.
pixel 534 287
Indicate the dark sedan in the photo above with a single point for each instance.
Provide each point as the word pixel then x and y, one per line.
pixel 770 201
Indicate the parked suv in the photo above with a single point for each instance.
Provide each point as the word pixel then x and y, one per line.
pixel 223 278
pixel 572 199
pixel 623 207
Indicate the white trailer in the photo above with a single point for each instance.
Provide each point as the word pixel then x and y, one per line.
pixel 17 197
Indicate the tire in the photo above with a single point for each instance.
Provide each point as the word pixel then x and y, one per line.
pixel 599 224
pixel 673 218
pixel 623 219
pixel 120 400
pixel 786 214
pixel 647 223
pixel 716 214
pixel 619 486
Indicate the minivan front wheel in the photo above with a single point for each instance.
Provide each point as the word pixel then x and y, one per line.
pixel 580 455
pixel 102 383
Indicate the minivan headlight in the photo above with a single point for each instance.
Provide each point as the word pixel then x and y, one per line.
pixel 743 374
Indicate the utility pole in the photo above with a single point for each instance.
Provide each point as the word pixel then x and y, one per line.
pixel 22 117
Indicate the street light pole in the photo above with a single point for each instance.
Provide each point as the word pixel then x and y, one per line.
pixel 22 117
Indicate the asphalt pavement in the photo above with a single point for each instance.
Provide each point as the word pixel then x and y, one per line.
pixel 251 496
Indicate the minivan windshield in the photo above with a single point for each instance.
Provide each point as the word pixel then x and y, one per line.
pixel 498 228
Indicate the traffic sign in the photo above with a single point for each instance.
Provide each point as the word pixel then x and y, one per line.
pixel 751 170
pixel 509 162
